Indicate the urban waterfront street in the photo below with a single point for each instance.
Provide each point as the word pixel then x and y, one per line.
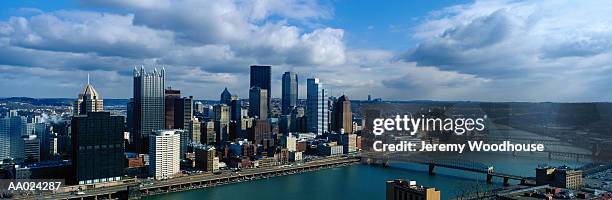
pixel 361 181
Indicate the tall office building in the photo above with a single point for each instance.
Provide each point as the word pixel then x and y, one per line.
pixel 261 133
pixel 222 122
pixel 194 130
pixel 31 148
pixel 226 97
pixel 164 150
pixel 317 112
pixel 289 92
pixel 148 110
pixel 258 106
pixel 343 116
pixel 97 148
pixel 260 77
pixel 170 96
pixel 12 127
pixel 43 132
pixel 208 132
pixel 88 101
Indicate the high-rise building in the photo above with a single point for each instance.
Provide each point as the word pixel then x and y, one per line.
pixel 43 132
pixel 88 101
pixel 194 130
pixel 164 150
pixel 258 106
pixel 401 189
pixel 343 116
pixel 12 127
pixel 317 107
pixel 183 112
pixel 148 110
pixel 170 96
pixel 222 122
pixel 97 148
pixel 260 77
pixel 289 92
pixel 206 158
pixel 226 97
pixel 208 132
pixel 31 148
pixel 261 133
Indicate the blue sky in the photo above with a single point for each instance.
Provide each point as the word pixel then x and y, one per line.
pixel 403 50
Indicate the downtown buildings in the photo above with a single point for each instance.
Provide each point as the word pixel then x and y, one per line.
pixel 289 92
pixel 164 154
pixel 317 107
pixel 148 111
pixel 97 142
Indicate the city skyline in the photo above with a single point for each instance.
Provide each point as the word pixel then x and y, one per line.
pixel 468 50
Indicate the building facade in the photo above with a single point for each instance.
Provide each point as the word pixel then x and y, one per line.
pixel 164 150
pixel 258 103
pixel 317 107
pixel 149 106
pixel 88 101
pixel 97 148
pixel 289 92
pixel 260 77
pixel 343 116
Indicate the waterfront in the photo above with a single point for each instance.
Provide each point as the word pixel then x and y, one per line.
pixel 361 181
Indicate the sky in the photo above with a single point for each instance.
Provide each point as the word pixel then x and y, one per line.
pixel 548 50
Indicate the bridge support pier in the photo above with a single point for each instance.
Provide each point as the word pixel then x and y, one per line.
pixel 489 178
pixel 431 169
pixel 506 181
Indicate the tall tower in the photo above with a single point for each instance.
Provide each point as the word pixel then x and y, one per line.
pixel 148 111
pixel 290 92
pixel 88 101
pixel 97 148
pixel 226 97
pixel 343 116
pixel 316 107
pixel 260 77
pixel 258 99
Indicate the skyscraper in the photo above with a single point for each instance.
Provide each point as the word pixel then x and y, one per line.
pixel 88 101
pixel 343 116
pixel 31 148
pixel 97 147
pixel 260 77
pixel 164 150
pixel 170 97
pixel 148 111
pixel 317 107
pixel 226 97
pixel 289 92
pixel 222 122
pixel 12 127
pixel 258 103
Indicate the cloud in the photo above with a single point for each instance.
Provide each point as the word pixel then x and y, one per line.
pixel 525 47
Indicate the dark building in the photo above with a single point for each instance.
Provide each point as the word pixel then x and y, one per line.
pixel 343 116
pixel 289 92
pixel 148 110
pixel 257 103
pixel 226 97
pixel 261 133
pixel 170 97
pixel 97 146
pixel 260 77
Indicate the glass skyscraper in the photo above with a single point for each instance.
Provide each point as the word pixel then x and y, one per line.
pixel 289 92
pixel 12 127
pixel 148 110
pixel 97 146
pixel 260 77
pixel 316 107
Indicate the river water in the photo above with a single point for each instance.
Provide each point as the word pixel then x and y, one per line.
pixel 361 181
pixel 367 182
